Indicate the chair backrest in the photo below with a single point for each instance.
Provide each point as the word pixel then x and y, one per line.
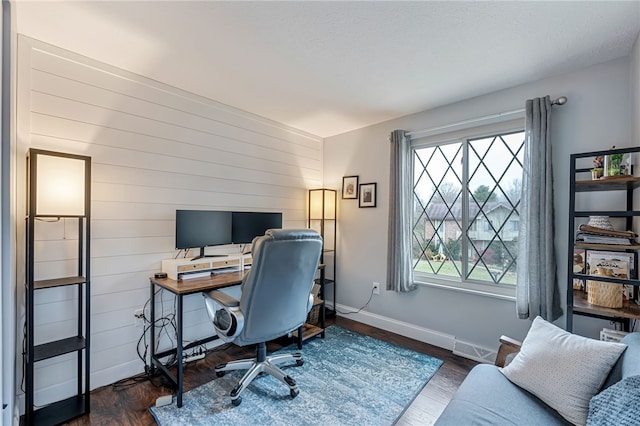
pixel 275 292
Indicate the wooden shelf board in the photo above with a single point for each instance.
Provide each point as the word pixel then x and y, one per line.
pixel 608 184
pixel 580 304
pixel 595 246
pixel 58 282
pixel 308 331
pixel 60 411
pixel 58 347
pixel 629 281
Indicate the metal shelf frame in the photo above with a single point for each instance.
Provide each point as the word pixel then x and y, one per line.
pixel 79 404
pixel 576 303
pixel 323 218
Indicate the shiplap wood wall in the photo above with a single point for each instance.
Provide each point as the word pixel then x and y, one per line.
pixel 154 149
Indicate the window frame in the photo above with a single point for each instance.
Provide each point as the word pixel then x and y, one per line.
pixel 499 127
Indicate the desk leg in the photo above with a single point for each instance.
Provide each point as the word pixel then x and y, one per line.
pixel 179 352
pixel 152 327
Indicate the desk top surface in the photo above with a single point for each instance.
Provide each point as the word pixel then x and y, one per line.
pixel 195 285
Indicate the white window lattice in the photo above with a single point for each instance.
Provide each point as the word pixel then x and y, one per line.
pixel 466 200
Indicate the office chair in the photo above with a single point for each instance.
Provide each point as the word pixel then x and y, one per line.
pixel 275 300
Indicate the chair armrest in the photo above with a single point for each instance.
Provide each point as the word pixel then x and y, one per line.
pixel 224 312
pixel 223 298
pixel 507 346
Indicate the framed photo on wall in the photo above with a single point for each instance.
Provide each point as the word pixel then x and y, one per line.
pixel 350 187
pixel 367 195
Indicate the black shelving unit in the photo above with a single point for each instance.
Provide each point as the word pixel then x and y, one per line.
pixel 580 182
pixel 321 216
pixel 79 343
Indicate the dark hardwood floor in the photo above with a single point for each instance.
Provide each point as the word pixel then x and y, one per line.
pixel 128 404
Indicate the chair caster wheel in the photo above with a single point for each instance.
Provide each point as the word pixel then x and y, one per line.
pixel 219 373
pixel 299 362
pixel 294 393
pixel 236 401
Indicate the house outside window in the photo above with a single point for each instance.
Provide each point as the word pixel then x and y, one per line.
pixel 466 208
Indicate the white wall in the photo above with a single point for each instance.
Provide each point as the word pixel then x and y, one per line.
pixel 596 117
pixel 635 88
pixel 154 149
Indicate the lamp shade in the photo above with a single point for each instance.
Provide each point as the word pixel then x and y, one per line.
pixel 322 204
pixel 58 183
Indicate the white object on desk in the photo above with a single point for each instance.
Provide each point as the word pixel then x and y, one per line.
pixel 177 269
pixel 191 275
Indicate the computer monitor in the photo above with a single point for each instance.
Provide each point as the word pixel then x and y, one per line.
pixel 202 228
pixel 248 225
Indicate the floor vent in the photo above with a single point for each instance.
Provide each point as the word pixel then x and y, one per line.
pixel 474 352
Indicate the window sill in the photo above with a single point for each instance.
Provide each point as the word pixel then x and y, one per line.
pixel 503 293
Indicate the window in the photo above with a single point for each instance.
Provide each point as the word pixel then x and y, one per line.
pixel 466 200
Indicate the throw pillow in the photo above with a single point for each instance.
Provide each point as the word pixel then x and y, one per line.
pixel 562 369
pixel 619 404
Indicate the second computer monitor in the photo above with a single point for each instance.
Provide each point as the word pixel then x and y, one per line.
pixel 248 225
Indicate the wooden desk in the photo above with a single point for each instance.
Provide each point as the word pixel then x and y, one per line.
pixel 182 288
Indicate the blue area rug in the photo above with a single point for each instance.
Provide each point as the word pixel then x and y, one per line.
pixel 346 379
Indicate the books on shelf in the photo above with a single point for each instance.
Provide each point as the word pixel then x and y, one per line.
pixel 599 231
pixel 609 335
pixel 593 235
pixel 599 239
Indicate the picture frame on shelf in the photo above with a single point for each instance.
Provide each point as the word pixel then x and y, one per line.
pixel 579 267
pixel 609 259
pixel 610 265
pixel 367 193
pixel 350 188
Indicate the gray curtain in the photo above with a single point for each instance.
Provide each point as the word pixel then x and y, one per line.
pixel 399 270
pixel 537 287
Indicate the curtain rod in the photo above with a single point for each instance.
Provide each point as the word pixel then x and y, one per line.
pixel 420 133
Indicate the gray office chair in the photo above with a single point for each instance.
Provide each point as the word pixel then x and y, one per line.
pixel 275 300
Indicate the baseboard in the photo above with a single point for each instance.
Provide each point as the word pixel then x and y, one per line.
pixel 432 337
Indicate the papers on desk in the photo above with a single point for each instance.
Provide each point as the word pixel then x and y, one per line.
pixel 194 275
pixel 219 271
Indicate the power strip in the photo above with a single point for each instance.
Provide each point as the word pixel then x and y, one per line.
pixel 192 358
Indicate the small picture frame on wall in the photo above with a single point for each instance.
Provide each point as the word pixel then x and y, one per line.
pixel 350 187
pixel 367 195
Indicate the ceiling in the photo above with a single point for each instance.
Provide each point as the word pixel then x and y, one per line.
pixel 333 66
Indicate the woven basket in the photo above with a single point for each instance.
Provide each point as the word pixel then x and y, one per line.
pixel 314 315
pixel 604 294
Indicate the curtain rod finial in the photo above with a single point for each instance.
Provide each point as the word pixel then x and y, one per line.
pixel 560 101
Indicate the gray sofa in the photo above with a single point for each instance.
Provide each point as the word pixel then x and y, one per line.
pixel 487 397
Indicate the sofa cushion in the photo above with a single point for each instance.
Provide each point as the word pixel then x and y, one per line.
pixel 562 369
pixel 486 397
pixel 619 404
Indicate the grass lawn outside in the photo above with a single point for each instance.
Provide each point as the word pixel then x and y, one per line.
pixel 448 268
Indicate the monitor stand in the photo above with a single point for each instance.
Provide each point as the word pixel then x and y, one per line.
pixel 202 255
